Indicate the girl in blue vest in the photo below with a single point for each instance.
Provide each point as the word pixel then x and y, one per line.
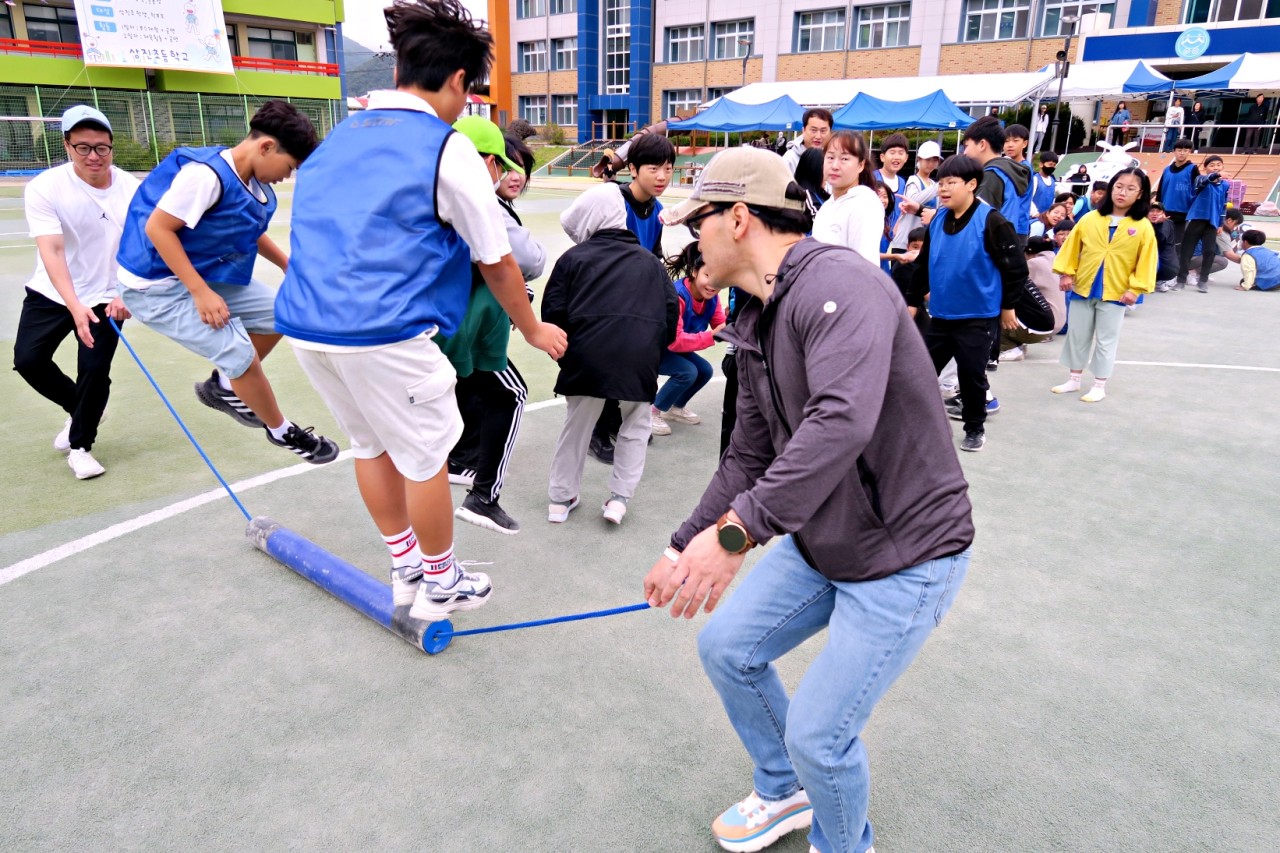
pixel 193 231
pixel 1259 265
pixel 1204 215
pixel 701 316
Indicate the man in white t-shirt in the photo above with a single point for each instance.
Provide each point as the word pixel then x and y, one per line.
pixel 76 212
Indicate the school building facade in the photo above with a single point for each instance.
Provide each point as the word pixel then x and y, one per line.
pixel 598 67
pixel 288 49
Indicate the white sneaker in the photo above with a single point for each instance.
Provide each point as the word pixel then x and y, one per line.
pixel 614 509
pixel 657 425
pixel 558 513
pixel 434 602
pixel 1015 354
pixel 753 824
pixel 404 584
pixel 85 466
pixel 62 441
pixel 681 415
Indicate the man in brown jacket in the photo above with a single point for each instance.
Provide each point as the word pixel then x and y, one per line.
pixel 842 450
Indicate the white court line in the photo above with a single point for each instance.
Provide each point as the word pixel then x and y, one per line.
pixel 1175 364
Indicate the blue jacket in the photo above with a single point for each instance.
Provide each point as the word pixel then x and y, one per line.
pixel 964 282
pixel 1208 200
pixel 223 245
pixel 371 262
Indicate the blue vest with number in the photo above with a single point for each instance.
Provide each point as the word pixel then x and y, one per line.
pixel 1268 267
pixel 964 283
pixel 1175 189
pixel 695 321
pixel 223 245
pixel 1015 208
pixel 371 262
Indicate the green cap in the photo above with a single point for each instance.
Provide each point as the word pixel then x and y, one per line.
pixel 487 138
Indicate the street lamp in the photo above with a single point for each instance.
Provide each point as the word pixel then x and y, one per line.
pixel 1064 65
pixel 747 44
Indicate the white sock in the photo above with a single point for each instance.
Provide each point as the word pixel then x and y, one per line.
pixel 1100 384
pixel 404 549
pixel 224 382
pixel 278 432
pixel 1072 384
pixel 440 569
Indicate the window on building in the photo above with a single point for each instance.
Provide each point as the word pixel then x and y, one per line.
pixel 675 100
pixel 533 56
pixel 820 30
pixel 564 7
pixel 617 47
pixel 884 26
pixel 720 91
pixel 989 20
pixel 565 54
pixel 306 47
pixel 274 44
pixel 6 23
pixel 51 23
pixel 733 39
pixel 533 109
pixel 564 109
pixel 531 8
pixel 686 44
pixel 1056 10
pixel 233 40
pixel 1208 11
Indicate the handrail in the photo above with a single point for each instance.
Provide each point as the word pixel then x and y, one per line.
pixel 53 48
pixel 1272 129
pixel 288 66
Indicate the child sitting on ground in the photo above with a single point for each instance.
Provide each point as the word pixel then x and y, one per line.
pixel 1260 266
pixel 615 301
pixel 701 316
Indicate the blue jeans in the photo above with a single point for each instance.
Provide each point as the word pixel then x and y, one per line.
pixel 874 630
pixel 689 372
pixel 1170 136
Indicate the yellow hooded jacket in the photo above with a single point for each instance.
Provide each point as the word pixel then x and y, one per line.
pixel 1131 256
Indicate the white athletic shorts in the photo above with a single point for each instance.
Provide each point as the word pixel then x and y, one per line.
pixel 397 399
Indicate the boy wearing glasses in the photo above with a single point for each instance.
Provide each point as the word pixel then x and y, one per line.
pixel 76 212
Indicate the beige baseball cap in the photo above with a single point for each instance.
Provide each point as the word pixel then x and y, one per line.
pixel 754 176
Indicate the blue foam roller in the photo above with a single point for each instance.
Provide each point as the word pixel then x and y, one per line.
pixel 347 583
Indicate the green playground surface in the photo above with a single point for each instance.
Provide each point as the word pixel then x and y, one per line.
pixel 1106 680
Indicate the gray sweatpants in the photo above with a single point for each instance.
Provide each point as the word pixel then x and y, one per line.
pixel 571 448
pixel 1092 324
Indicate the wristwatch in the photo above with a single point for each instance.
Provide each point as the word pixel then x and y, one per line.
pixel 733 537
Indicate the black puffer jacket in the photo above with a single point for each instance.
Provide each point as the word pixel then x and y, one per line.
pixel 614 300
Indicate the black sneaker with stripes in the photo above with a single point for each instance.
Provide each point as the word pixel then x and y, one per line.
pixel 313 448
pixel 212 394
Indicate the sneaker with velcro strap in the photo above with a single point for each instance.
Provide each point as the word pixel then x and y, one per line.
pixel 755 823
pixel 212 394
pixel 313 448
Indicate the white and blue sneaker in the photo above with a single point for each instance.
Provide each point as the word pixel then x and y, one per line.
pixel 404 584
pixel 754 824
pixel 434 601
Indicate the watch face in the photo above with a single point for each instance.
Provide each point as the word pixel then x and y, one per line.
pixel 733 538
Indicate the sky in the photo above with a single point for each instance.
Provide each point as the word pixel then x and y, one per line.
pixel 366 25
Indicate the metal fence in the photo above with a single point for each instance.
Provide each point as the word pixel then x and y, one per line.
pixel 146 125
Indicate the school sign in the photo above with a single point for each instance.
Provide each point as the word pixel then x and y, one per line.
pixel 187 35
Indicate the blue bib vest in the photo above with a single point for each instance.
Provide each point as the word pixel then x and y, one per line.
pixel 695 321
pixel 1209 203
pixel 648 230
pixel 1026 198
pixel 1043 193
pixel 964 283
pixel 223 245
pixel 1015 208
pixel 1268 267
pixel 371 262
pixel 1175 189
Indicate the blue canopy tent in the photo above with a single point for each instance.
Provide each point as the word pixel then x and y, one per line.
pixel 931 112
pixel 726 116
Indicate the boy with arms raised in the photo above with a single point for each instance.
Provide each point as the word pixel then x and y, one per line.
pixel 393 263
pixel 186 258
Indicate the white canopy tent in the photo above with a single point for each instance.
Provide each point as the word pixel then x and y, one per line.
pixel 1098 79
pixel 960 88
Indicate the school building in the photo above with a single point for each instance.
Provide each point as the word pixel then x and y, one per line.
pixel 597 68
pixel 289 49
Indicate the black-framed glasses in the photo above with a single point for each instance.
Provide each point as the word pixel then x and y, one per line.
pixel 694 223
pixel 84 149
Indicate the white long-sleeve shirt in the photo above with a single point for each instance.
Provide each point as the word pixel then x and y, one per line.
pixel 855 220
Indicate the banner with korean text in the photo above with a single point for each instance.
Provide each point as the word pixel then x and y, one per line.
pixel 189 35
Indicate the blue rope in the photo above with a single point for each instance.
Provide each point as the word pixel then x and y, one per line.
pixel 173 412
pixel 575 617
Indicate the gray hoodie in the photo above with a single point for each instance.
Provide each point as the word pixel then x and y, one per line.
pixel 840 439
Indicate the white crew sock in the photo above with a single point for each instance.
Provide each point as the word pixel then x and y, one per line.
pixel 404 550
pixel 440 569
pixel 1071 385
pixel 278 432
pixel 224 381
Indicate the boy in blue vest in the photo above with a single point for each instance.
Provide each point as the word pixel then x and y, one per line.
pixel 1174 190
pixel 1004 182
pixel 1016 140
pixel 974 271
pixel 375 274
pixel 1044 183
pixel 1259 265
pixel 1204 215
pixel 194 229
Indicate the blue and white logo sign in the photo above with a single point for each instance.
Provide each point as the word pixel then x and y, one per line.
pixel 1192 43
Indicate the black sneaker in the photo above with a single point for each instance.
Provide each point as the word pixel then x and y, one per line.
pixel 313 448
pixel 601 450
pixel 476 510
pixel 212 394
pixel 460 476
pixel 993 365
pixel 973 441
pixel 956 412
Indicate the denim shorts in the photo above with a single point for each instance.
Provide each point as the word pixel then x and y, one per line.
pixel 170 310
